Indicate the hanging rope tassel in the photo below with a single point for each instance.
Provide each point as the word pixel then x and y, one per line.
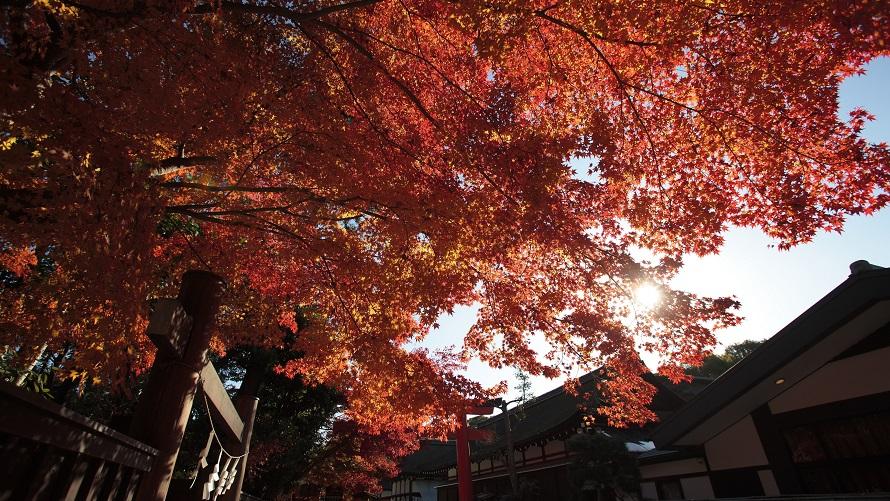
pixel 233 472
pixel 210 484
pixel 214 477
pixel 223 478
pixel 217 483
pixel 202 458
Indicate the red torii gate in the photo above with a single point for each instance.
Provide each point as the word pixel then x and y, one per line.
pixel 463 437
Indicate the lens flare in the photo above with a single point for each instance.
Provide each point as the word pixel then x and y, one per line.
pixel 647 296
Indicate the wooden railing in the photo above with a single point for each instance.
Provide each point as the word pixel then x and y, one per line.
pixel 50 452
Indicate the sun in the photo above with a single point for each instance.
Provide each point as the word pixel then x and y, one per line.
pixel 647 296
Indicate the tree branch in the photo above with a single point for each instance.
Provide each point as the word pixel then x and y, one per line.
pixel 248 189
pixel 209 8
pixel 176 164
pixel 565 24
pixel 424 60
pixel 370 57
pixel 622 85
pixel 284 12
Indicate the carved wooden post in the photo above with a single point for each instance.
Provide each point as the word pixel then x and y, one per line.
pixel 166 401
pixel 246 401
pixel 246 405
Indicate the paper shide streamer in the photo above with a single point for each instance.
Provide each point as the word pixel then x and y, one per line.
pixel 222 477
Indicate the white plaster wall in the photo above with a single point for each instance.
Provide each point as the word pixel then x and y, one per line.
pixel 851 377
pixel 427 489
pixel 736 447
pixel 697 488
pixel 673 468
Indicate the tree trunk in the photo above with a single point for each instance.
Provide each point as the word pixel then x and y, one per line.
pixel 511 457
pixel 19 381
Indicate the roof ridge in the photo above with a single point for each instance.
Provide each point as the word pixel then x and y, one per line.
pixel 533 402
pixel 865 287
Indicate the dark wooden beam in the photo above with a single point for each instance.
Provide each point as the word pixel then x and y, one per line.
pixel 169 326
pixel 166 401
pixel 776 450
pixel 225 412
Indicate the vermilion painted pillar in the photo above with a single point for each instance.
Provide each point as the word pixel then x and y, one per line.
pixel 464 475
pixel 463 437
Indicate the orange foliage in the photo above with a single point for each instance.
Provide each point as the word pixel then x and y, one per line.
pixel 355 457
pixel 386 160
pixel 19 261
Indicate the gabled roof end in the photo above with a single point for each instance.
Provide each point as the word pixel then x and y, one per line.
pixel 861 266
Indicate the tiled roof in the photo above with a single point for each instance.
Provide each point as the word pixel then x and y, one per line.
pixel 431 457
pixel 551 415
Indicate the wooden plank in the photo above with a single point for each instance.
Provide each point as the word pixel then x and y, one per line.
pixel 96 477
pixel 74 479
pixel 112 483
pixel 44 474
pixel 219 401
pixel 169 326
pixel 17 459
pixel 14 401
pixel 131 483
pixel 60 428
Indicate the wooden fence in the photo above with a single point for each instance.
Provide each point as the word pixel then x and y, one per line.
pixel 50 452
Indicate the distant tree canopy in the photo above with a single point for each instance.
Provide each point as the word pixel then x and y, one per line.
pixel 714 365
pixel 602 466
pixel 292 428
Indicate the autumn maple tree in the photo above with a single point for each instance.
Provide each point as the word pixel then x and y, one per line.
pixel 383 161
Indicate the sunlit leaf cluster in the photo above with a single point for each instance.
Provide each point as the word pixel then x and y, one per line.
pixel 384 161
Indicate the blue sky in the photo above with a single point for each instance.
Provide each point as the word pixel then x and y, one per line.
pixel 773 286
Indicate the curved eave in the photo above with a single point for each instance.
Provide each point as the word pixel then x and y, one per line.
pixel 847 314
